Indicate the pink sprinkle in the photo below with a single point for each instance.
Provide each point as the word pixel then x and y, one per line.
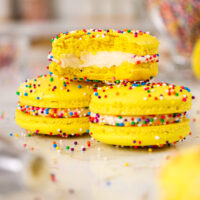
pixel 184 99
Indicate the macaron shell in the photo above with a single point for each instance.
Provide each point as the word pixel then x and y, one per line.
pixel 93 41
pixel 196 59
pixel 126 71
pixel 179 177
pixel 52 126
pixel 67 94
pixel 140 136
pixel 128 100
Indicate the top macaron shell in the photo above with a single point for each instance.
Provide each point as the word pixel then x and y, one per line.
pixel 54 92
pixel 77 42
pixel 137 99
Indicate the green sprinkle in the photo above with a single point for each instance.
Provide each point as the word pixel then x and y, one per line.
pixel 52 40
pixel 132 123
pixel 81 79
pixel 57 37
pixel 18 93
pixel 162 120
pixel 148 91
pixel 29 135
pixel 151 119
pixel 29 86
pixel 144 122
pixel 117 81
pixel 129 31
pixel 177 94
pixel 51 79
pixel 67 147
pixel 117 124
pixel 120 117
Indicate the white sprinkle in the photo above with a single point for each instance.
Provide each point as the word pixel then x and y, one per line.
pixel 157 137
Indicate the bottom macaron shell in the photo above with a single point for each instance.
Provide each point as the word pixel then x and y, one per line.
pixel 52 126
pixel 140 136
pixel 125 71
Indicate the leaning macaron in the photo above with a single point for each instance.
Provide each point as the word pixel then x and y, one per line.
pixel 54 105
pixel 106 55
pixel 140 114
pixel 180 176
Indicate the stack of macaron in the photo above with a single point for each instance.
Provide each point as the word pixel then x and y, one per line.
pixel 128 110
pixel 54 105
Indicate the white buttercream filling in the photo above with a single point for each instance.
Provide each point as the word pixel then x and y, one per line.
pixel 103 59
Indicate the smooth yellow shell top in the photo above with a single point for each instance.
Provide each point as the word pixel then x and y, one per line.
pixel 55 92
pixel 137 99
pixel 180 176
pixel 86 41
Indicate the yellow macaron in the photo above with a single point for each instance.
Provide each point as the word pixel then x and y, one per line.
pixel 54 105
pixel 180 176
pixel 106 55
pixel 195 58
pixel 140 114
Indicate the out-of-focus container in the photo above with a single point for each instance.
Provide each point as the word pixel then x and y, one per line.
pixel 179 22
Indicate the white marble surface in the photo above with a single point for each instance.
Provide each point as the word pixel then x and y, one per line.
pixel 98 173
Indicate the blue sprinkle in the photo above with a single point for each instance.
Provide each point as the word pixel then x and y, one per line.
pixel 75 78
pixel 38 98
pixel 51 57
pixel 88 33
pixel 157 54
pixel 25 94
pixel 47 111
pixel 96 93
pixel 71 113
pixel 26 85
pixel 89 113
pixel 79 86
pixel 11 134
pixel 139 120
pixel 50 73
pixel 35 79
pixel 134 84
pixel 187 89
pixel 87 131
pixel 143 83
pixel 108 183
pixel 121 124
pixel 54 145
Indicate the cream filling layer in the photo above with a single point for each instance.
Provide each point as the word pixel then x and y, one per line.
pixel 102 59
pixel 54 112
pixel 146 120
